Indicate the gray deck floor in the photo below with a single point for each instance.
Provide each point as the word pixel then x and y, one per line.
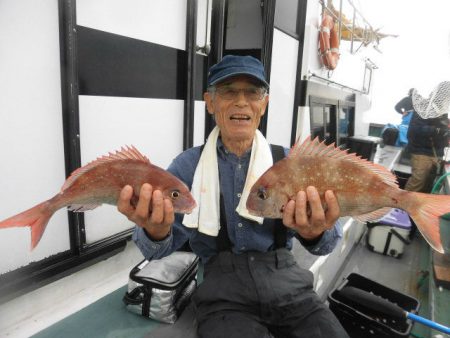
pixel 404 274
pixel 401 274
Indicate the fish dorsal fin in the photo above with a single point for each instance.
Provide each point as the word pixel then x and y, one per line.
pixel 316 148
pixel 125 153
pixel 374 215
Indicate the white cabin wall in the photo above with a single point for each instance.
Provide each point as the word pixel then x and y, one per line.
pixel 32 166
pixel 282 91
pixel 349 71
pixel 31 132
pixel 159 21
pixel 204 11
pixel 31 128
pixel 109 122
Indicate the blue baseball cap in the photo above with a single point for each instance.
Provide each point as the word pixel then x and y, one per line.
pixel 234 65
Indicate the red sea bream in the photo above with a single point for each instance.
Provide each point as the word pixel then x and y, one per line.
pixel 101 182
pixel 363 189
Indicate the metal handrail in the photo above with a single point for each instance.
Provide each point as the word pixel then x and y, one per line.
pixel 341 23
pixel 311 74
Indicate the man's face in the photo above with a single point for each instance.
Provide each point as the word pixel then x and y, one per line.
pixel 237 105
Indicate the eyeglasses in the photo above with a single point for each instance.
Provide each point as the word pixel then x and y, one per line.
pixel 231 93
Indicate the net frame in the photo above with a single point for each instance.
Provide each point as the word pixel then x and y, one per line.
pixel 437 103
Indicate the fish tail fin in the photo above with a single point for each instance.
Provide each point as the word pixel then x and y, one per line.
pixel 36 218
pixel 426 215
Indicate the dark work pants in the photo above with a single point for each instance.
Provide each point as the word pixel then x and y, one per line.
pixel 261 295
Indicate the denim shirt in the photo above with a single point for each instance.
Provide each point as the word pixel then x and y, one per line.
pixel 246 235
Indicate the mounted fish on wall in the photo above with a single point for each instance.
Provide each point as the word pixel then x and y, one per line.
pixel 364 190
pixel 101 182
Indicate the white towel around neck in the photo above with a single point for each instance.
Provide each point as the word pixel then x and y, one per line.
pixel 206 189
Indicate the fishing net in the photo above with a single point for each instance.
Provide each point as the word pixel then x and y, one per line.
pixel 437 103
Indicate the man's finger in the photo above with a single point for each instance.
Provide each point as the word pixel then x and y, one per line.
pixel 289 213
pixel 301 212
pixel 333 211
pixel 169 216
pixel 123 203
pixel 145 196
pixel 157 216
pixel 315 203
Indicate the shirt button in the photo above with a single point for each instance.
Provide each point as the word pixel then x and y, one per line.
pixel 239 166
pixel 252 258
pixel 240 225
pixel 239 195
pixel 242 247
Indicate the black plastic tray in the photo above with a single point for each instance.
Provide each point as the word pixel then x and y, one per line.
pixel 363 322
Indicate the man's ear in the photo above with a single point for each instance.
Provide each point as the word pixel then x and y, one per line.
pixel 264 105
pixel 209 102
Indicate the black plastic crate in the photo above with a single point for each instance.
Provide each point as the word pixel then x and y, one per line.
pixel 364 146
pixel 402 178
pixel 363 322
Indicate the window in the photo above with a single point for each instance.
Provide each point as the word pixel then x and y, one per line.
pixel 346 123
pixel 332 120
pixel 286 14
pixel 323 120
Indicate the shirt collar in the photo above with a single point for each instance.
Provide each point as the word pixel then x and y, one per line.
pixel 224 153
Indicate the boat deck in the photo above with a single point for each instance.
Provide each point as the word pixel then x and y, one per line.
pixel 107 317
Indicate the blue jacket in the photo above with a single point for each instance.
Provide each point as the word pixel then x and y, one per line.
pixel 425 136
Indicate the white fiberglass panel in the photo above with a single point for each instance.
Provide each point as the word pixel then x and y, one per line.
pixel 31 134
pixel 159 21
pixel 282 88
pixel 199 123
pixel 153 126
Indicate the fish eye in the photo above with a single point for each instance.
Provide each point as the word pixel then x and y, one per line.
pixel 262 194
pixel 175 194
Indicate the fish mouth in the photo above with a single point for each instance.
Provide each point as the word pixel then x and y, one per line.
pixel 254 212
pixel 187 210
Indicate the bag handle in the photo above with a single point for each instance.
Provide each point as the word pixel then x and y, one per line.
pixel 132 298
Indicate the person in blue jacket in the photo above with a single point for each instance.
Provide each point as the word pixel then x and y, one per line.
pixel 427 139
pixel 252 286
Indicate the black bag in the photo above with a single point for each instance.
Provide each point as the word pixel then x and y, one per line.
pixel 390 136
pixel 160 289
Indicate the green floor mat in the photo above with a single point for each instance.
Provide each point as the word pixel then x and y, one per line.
pixel 106 317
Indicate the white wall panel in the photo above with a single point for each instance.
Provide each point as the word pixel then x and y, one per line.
pixel 154 127
pixel 204 8
pixel 303 124
pixel 282 88
pixel 159 21
pixel 31 135
pixel 199 123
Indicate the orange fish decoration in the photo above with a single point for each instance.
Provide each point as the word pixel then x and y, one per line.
pixel 101 182
pixel 364 190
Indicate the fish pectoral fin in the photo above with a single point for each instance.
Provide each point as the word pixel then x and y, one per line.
pixel 373 215
pixel 82 207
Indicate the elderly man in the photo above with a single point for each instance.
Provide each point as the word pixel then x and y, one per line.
pixel 252 285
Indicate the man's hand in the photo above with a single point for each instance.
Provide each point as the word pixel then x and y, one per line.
pixel 152 212
pixel 307 216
